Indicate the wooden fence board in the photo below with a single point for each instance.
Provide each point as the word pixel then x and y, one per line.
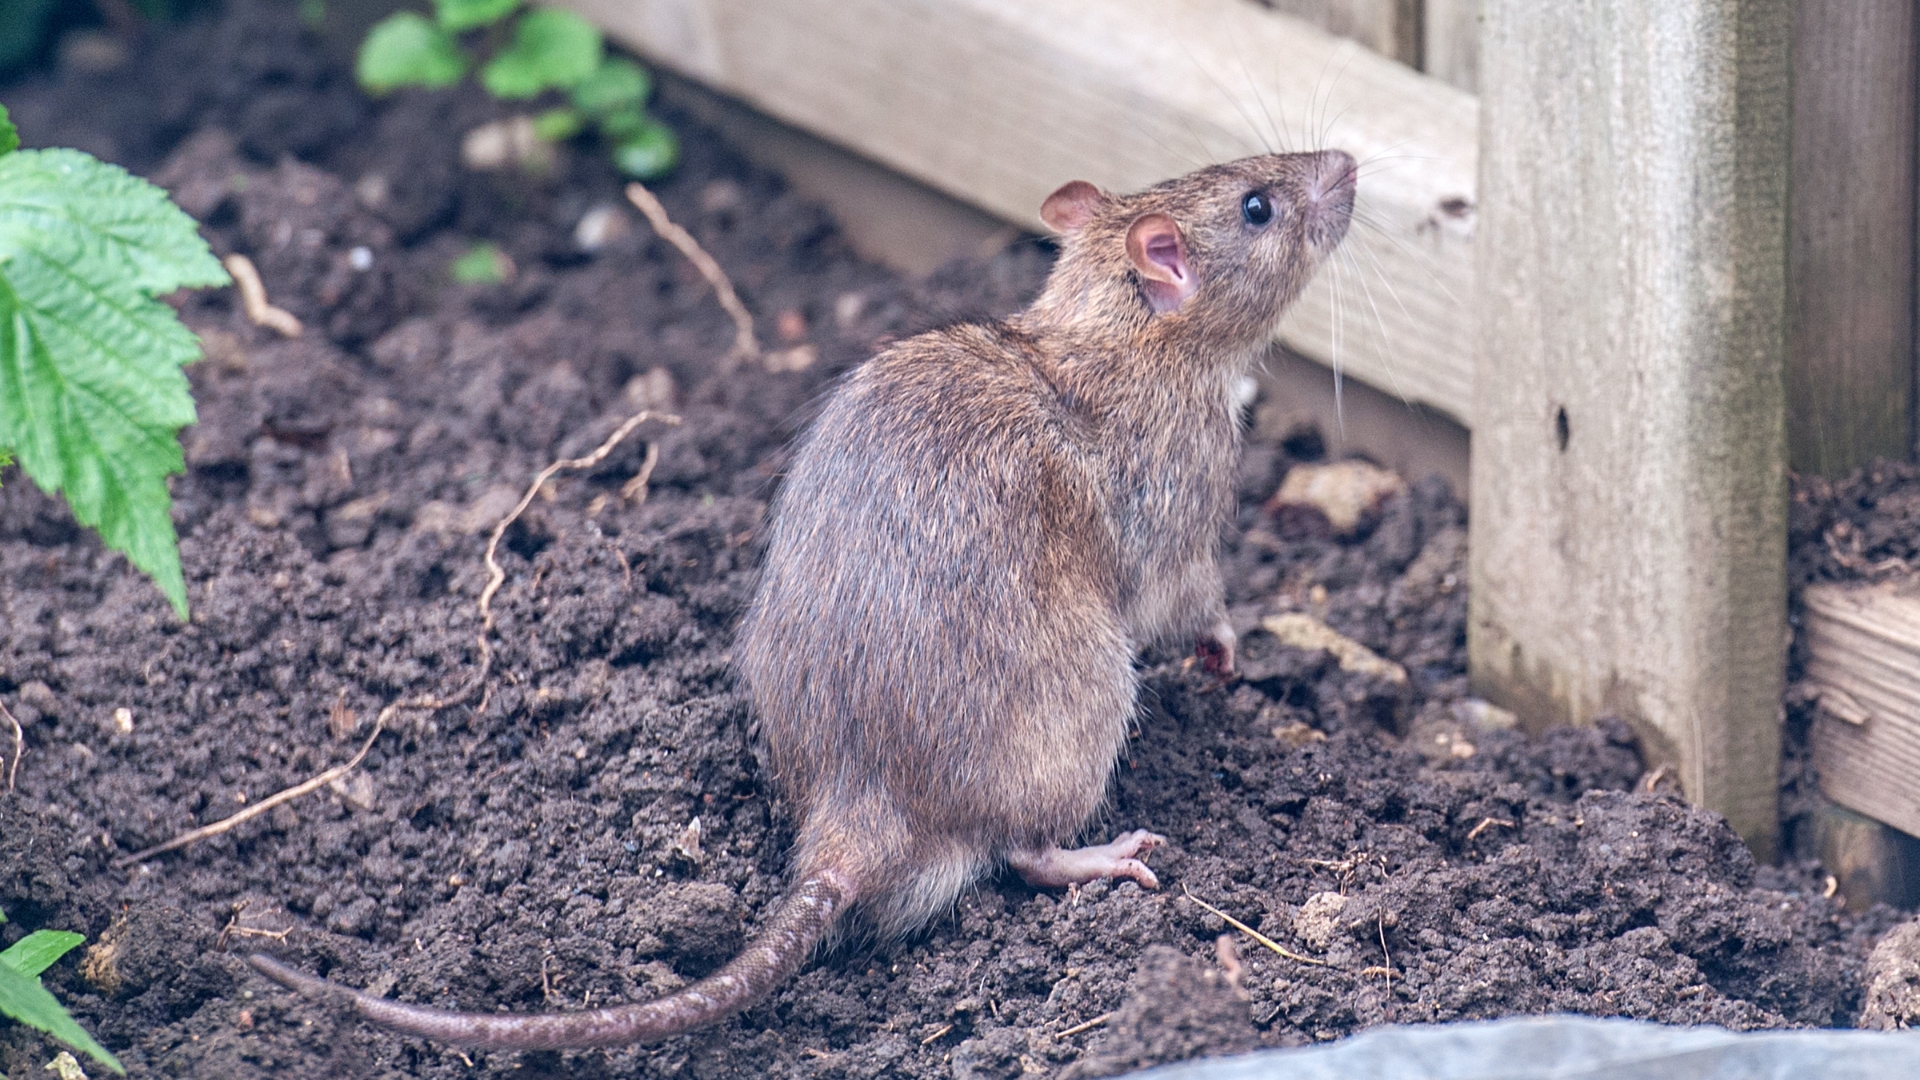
pixel 1629 444
pixel 999 101
pixel 1388 27
pixel 1863 666
pixel 1450 42
pixel 1852 241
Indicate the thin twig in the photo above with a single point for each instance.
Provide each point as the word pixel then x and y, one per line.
pixel 19 745
pixel 1088 1026
pixel 497 577
pixel 635 490
pixel 745 345
pixel 1385 956
pixel 1485 824
pixel 935 1037
pixel 1251 932
pixel 253 298
pixel 263 805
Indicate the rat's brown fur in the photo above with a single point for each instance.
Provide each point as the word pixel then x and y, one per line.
pixel 983 527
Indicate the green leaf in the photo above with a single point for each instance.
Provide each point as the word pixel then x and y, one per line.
pixel 551 49
pixel 617 83
pixel 405 49
pixel 36 952
pixel 483 264
pixel 9 135
pixel 558 125
pixel 24 999
pixel 458 15
pixel 91 391
pixel 650 152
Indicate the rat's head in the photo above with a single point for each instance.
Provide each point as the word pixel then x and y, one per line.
pixel 1215 255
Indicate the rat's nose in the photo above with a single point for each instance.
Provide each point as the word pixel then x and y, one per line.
pixel 1330 196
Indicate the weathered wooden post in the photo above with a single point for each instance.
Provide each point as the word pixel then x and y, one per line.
pixel 1629 436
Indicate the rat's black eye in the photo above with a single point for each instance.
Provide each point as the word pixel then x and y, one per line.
pixel 1256 208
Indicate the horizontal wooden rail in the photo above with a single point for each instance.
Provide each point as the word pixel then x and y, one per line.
pixel 1863 667
pixel 997 102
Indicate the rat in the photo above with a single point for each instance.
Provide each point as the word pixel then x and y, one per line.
pixel 981 530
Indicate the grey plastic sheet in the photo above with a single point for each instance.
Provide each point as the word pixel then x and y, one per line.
pixel 1573 1048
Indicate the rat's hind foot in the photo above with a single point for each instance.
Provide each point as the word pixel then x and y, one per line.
pixel 1053 868
pixel 1215 649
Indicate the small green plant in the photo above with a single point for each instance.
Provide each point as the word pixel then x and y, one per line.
pixel 92 397
pixel 483 264
pixel 24 999
pixel 533 52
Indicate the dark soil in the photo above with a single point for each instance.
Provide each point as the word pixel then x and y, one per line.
pixel 533 847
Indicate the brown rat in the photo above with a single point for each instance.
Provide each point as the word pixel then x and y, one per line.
pixel 981 530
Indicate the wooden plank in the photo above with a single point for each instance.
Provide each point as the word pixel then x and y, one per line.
pixel 1871 862
pixel 1852 241
pixel 998 102
pixel 1388 27
pixel 1629 444
pixel 1450 42
pixel 1863 667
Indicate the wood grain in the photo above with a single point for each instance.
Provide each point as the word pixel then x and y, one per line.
pixel 1863 663
pixel 1852 241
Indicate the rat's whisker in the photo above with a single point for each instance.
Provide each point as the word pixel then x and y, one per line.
pixel 1245 116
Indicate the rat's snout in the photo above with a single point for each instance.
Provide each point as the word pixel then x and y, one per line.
pixel 1329 197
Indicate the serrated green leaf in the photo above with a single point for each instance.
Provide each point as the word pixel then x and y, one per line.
pixel 617 83
pixel 406 49
pixel 91 391
pixel 551 49
pixel 558 125
pixel 9 135
pixel 24 999
pixel 36 952
pixel 458 15
pixel 650 152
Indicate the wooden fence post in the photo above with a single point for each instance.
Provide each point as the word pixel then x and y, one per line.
pixel 1629 441
pixel 1850 381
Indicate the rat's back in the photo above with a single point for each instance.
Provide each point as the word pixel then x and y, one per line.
pixel 938 569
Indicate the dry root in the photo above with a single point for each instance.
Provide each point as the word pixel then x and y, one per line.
pixel 745 345
pixel 1264 941
pixel 253 298
pixel 19 745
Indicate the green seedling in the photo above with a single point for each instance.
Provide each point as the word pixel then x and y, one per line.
pixel 534 52
pixel 92 396
pixel 483 264
pixel 24 999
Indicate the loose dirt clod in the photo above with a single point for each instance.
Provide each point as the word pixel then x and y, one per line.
pixel 1893 980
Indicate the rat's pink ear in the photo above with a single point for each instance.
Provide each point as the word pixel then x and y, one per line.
pixel 1072 206
pixel 1159 253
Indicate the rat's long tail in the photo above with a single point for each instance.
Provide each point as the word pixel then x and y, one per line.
pixel 802 921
